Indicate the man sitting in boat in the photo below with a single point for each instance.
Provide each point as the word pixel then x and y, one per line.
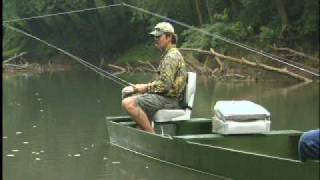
pixel 166 91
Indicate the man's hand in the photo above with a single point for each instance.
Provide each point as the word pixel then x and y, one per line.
pixel 127 91
pixel 140 88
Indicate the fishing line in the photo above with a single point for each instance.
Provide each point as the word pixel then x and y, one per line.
pixel 254 50
pixel 268 55
pixel 62 13
pixel 83 62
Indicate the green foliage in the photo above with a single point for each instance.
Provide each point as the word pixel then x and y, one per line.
pixel 140 52
pixel 111 32
pixel 235 31
pixel 307 13
pixel 268 34
pixel 10 53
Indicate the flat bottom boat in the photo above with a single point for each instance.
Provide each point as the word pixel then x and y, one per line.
pixel 191 144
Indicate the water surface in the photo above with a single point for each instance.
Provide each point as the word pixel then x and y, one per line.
pixel 54 124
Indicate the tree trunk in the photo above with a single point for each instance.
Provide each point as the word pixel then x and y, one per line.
pixel 209 11
pixel 236 7
pixel 282 6
pixel 199 14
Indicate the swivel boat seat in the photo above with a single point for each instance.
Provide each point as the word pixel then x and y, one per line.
pixel 172 115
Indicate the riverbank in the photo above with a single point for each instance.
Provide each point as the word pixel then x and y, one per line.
pixel 232 74
pixel 143 58
pixel 33 68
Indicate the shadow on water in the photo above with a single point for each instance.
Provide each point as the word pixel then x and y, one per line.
pixel 54 124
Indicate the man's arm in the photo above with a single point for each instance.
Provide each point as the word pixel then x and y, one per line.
pixel 166 76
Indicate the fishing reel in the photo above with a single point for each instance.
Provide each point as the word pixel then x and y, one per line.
pixel 127 91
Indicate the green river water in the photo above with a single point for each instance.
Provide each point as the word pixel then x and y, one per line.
pixel 54 124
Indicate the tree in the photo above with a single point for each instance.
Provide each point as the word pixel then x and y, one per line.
pixel 282 7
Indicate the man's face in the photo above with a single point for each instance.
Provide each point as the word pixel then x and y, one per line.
pixel 162 41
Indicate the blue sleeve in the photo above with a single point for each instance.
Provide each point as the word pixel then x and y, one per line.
pixel 309 145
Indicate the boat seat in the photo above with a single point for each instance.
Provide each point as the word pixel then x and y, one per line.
pixel 166 115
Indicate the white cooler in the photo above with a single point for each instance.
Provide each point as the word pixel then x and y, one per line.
pixel 240 117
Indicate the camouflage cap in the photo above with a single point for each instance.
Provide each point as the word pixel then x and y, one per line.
pixel 163 27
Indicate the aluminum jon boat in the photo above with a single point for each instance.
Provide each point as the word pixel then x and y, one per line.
pixel 191 144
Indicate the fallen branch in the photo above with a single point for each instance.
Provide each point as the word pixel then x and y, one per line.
pixel 122 70
pixel 190 67
pixel 235 75
pixel 129 68
pixel 266 67
pixel 14 57
pixel 221 66
pixel 16 66
pixel 149 64
pixel 197 50
pixel 147 69
pixel 195 64
pixel 294 52
pixel 250 63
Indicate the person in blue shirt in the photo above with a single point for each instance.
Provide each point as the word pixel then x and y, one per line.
pixel 309 145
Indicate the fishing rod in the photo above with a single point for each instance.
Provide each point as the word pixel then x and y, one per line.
pixel 98 70
pixel 262 53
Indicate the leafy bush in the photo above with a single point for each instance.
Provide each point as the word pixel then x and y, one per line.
pixel 142 52
pixel 236 31
pixel 268 34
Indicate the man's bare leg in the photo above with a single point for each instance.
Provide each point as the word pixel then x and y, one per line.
pixel 137 114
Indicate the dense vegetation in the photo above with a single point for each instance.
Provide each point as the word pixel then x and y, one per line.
pixel 110 33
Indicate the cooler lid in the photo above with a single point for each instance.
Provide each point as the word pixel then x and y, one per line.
pixel 240 110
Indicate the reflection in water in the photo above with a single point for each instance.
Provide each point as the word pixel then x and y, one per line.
pixel 129 165
pixel 54 124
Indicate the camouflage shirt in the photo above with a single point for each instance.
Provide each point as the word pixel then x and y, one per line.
pixel 172 75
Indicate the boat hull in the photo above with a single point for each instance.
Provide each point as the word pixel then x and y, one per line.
pixel 217 160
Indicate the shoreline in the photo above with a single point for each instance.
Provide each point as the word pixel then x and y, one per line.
pixel 35 68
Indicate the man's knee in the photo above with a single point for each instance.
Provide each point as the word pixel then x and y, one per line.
pixel 129 103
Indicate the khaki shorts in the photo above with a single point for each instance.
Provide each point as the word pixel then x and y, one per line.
pixel 151 103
